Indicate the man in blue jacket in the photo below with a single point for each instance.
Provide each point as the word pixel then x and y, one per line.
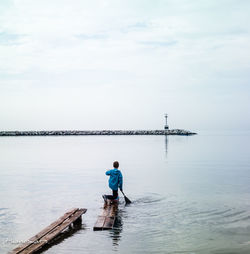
pixel 115 182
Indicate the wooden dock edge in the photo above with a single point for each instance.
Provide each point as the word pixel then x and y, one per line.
pixel 49 233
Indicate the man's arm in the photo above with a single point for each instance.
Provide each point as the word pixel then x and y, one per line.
pixel 108 173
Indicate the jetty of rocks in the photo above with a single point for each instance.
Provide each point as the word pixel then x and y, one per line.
pixel 97 132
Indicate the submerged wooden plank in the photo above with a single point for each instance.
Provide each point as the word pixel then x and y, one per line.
pixel 113 210
pixel 109 223
pixel 107 218
pixel 49 233
pixel 99 223
pixel 110 219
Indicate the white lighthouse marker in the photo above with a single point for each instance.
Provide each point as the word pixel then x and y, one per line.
pixel 166 125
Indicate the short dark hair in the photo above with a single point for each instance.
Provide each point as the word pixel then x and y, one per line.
pixel 116 164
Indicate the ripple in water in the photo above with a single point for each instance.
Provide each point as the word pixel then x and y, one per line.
pixel 164 221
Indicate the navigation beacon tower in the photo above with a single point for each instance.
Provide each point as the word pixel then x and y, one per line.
pixel 166 125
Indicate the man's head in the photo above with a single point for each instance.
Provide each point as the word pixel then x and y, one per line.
pixel 116 164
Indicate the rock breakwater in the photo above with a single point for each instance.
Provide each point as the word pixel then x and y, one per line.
pixel 98 132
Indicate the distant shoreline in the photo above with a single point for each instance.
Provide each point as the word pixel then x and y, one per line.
pixel 97 132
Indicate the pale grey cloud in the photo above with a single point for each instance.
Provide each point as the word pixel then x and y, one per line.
pixel 159 43
pixel 9 39
pixel 78 60
pixel 91 36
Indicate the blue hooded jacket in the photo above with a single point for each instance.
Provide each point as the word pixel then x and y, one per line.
pixel 115 179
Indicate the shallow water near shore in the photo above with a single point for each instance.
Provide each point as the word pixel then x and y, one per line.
pixel 191 194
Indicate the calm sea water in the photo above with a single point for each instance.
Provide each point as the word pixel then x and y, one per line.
pixel 190 194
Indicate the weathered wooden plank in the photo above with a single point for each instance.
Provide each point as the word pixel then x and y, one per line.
pixel 55 232
pixel 39 235
pixel 50 232
pixel 107 218
pixel 113 210
pixel 99 223
pixel 109 223
pixel 110 219
pixel 106 210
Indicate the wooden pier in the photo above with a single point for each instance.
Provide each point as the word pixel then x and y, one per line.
pixel 51 232
pixel 107 219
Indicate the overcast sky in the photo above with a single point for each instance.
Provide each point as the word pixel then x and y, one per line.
pixel 123 64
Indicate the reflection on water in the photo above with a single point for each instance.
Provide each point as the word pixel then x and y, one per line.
pixel 115 233
pixel 166 144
